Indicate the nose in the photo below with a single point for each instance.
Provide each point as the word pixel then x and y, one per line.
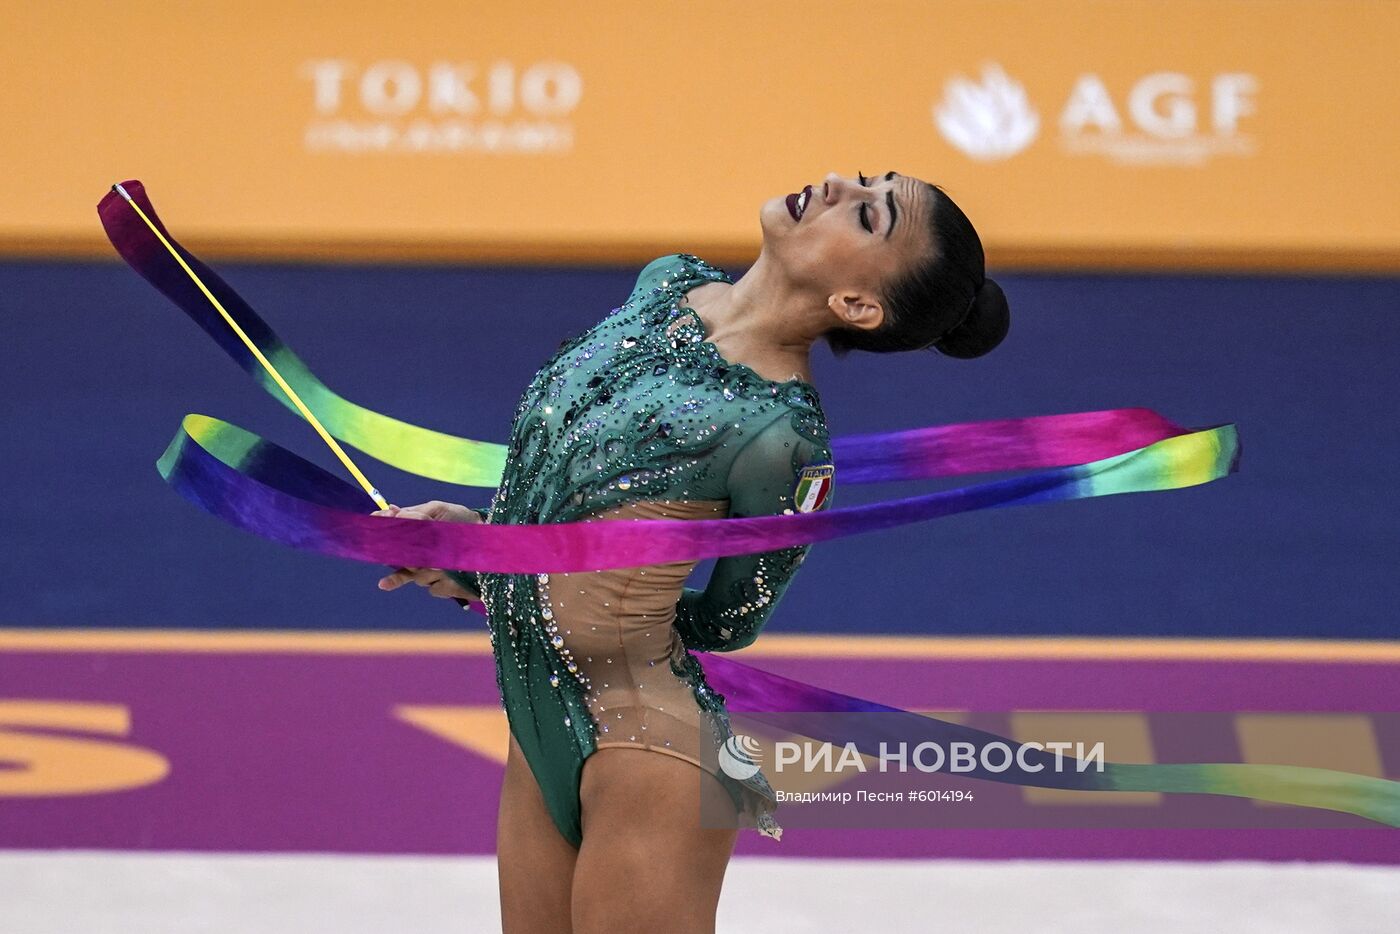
pixel 836 186
pixel 831 185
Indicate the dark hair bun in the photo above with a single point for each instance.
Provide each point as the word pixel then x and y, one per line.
pixel 984 327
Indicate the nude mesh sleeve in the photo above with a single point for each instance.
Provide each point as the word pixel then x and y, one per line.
pixel 743 590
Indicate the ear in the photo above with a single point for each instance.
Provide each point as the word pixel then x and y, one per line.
pixel 857 309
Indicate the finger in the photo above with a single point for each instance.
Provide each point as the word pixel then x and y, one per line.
pixel 426 577
pixel 396 579
pixel 435 510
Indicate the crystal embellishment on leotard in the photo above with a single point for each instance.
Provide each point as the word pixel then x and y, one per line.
pixel 639 407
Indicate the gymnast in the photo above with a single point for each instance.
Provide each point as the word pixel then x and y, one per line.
pixel 692 400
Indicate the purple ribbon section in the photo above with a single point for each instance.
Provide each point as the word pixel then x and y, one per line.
pixel 1000 444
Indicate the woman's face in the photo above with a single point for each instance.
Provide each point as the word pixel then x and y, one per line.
pixel 845 238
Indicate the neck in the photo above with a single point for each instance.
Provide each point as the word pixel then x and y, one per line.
pixel 765 323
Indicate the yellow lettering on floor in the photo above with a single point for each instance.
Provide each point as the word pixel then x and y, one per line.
pixel 40 765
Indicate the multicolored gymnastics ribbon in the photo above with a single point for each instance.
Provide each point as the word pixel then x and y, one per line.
pixel 265 489
pixel 256 485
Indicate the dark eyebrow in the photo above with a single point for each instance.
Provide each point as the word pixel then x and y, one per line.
pixel 889 199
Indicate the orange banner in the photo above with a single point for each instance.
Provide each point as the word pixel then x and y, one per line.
pixel 1175 134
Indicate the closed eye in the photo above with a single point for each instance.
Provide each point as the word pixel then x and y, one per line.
pixel 863 209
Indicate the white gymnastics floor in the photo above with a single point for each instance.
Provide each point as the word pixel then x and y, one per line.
pixel 67 892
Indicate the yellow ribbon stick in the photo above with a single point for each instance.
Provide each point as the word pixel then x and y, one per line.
pixel 291 393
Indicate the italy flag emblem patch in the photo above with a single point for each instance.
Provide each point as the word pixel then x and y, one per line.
pixel 813 487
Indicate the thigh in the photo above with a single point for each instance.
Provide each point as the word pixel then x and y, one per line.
pixel 646 864
pixel 535 864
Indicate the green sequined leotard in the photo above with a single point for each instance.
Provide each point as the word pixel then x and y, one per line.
pixel 641 417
